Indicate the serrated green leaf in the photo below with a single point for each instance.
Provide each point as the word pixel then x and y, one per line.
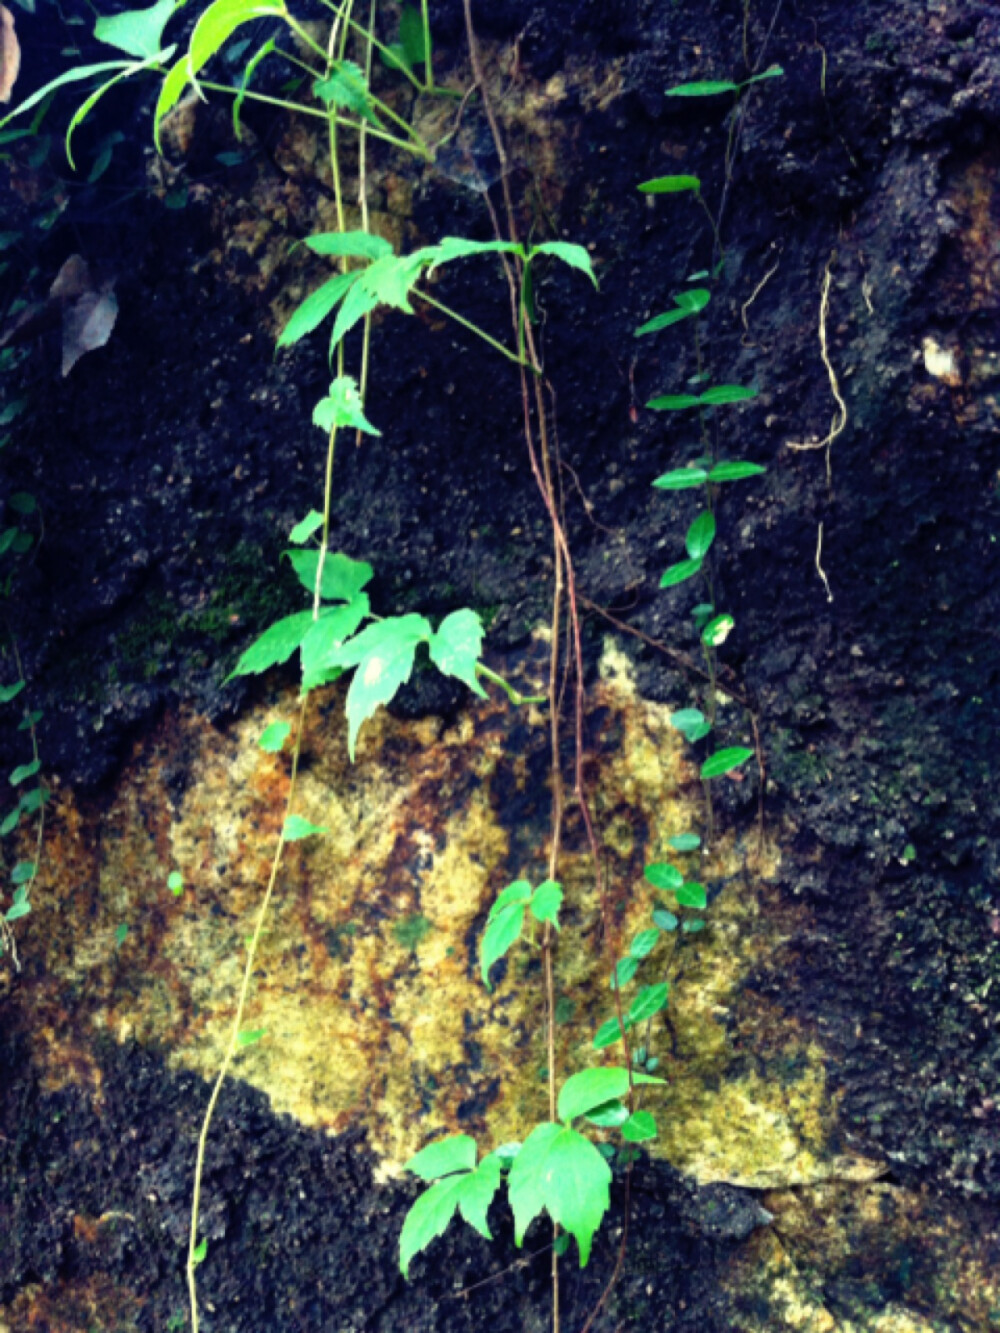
pixel 296 828
pixel 546 902
pixel 272 738
pixel 609 1116
pixel 664 919
pixel 726 393
pixel 681 479
pixel 639 1128
pixel 8 692
pixel 342 579
pixel 139 32
pixel 680 573
pixel 644 943
pixel 662 875
pixel 674 402
pixel 471 1193
pixel 24 771
pixel 456 647
pixel 562 1173
pixel 573 255
pixel 703 88
pixel 274 646
pixel 326 636
pixel 345 88
pixel 735 471
pixel 700 536
pixel 383 654
pixel 608 1033
pixel 670 184
pixel 342 408
pixel 304 529
pixel 250 1037
pixel 725 761
pixel 443 1158
pixel 358 302
pixel 315 308
pixel 692 894
pixel 502 931
pixel 649 1001
pixel 355 244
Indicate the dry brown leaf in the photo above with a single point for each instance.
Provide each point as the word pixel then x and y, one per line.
pixel 10 54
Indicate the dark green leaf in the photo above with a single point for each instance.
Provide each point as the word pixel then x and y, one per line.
pixel 411 36
pixel 121 934
pixel 692 927
pixel 31 720
pixel 33 800
pixel 700 536
pixel 703 88
pixel 248 73
pixel 21 543
pixel 24 771
pixel 8 692
pixel 717 631
pixel 663 321
pixel 22 503
pixel 274 646
pixel 664 919
pixel 639 1128
pixel 693 895
pixel 644 943
pixel 608 1033
pixel 23 872
pixel 673 402
pixel 725 761
pixel 10 822
pixel 726 393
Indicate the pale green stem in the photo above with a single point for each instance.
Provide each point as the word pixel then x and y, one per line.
pixel 473 328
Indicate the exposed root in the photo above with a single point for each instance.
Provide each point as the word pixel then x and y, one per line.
pixel 839 421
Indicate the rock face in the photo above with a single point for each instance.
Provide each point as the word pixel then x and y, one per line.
pixel 827 1156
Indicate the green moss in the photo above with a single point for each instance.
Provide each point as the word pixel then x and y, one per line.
pixel 411 931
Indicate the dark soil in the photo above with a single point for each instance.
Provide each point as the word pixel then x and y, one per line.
pixel 169 465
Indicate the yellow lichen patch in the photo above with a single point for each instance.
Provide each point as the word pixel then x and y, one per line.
pixel 367 983
pixel 69 1307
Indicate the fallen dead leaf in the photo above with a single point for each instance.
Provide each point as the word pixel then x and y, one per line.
pixel 10 54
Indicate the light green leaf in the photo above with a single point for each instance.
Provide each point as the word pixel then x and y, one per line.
pixel 703 88
pixel 10 822
pixel 662 875
pixel 694 299
pixel 644 943
pixel 725 761
pixel 456 1153
pixel 8 692
pixel 272 738
pixel 343 407
pixel 573 255
pixel 171 91
pixel 457 247
pixel 639 1128
pixel 680 573
pixel 608 1033
pixel 471 1193
pixel 670 184
pixel 356 244
pixel 517 892
pixel 726 393
pixel 609 1116
pixel 24 771
pixel 75 75
pixel 477 1193
pixel 773 72
pixel 87 105
pixel 121 934
pixel 546 902
pixel 624 970
pixel 589 1088
pixel 17 910
pixel 390 280
pixel 685 842
pixel 315 308
pixel 305 529
pixel 502 930
pixel 248 73
pixel 717 631
pixel 296 828
pixel 139 32
pixel 649 1001
pixel 218 23
pixel 700 536
pixel 663 321
pixel 175 883
pixel 358 302
pixel 201 1250
pixel 735 471
pixel 674 402
pixel 326 636
pixel 251 1037
pixel 23 872
pixel 383 654
pixel 342 579
pixel 681 479
pixel 561 1172
pixel 664 919
pixel 346 89
pixel 693 895
pixel 691 723
pixel 274 646
pixel 456 647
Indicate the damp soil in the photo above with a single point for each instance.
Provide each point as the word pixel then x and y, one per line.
pixel 170 463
